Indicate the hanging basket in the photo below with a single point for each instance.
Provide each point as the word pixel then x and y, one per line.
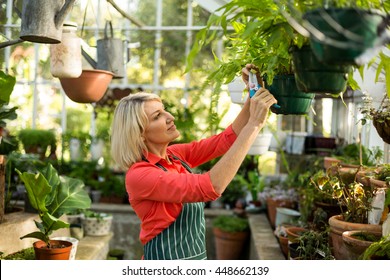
pixel 383 129
pixel 291 100
pixel 314 76
pixel 353 31
pixel 89 87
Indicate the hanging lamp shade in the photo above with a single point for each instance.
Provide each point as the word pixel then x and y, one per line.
pixel 89 87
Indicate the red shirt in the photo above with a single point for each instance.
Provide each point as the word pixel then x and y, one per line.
pixel 157 196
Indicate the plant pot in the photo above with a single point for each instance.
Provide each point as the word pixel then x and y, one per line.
pixel 89 87
pixel 362 29
pixel 97 147
pixel 330 161
pixel 97 226
pixel 273 203
pixel 44 253
pixel 383 129
pixel 283 243
pixel 314 76
pixel 293 253
pixel 293 233
pixel 356 246
pixel 229 245
pixel 261 144
pixel 286 216
pixel 337 227
pixel 74 242
pixel 291 100
pixel 236 88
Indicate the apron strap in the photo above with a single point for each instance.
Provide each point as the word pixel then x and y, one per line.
pixel 183 163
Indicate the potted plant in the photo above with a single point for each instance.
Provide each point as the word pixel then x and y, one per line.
pixel 379 250
pixel 7 83
pixel 96 223
pixel 348 42
pixel 379 116
pixel 313 245
pixel 356 242
pixel 231 234
pixel 37 141
pixel 354 200
pixel 52 195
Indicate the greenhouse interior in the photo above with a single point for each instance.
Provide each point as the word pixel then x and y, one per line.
pixel 312 184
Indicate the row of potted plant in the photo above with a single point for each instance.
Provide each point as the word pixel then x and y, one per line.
pixel 360 211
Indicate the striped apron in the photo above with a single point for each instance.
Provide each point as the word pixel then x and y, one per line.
pixel 184 239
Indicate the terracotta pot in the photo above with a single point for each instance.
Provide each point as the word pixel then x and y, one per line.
pixel 375 183
pixel 355 246
pixel 273 203
pixel 283 243
pixel 337 227
pixel 229 245
pixel 330 161
pixel 89 87
pixel 293 233
pixel 44 253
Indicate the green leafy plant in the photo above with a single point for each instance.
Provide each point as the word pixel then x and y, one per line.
pixel 97 215
pixel 314 245
pixel 7 84
pixel 37 138
pixel 353 197
pixel 378 250
pixel 231 223
pixel 253 182
pixel 52 195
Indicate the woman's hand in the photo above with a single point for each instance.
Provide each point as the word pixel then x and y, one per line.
pixel 245 74
pixel 259 106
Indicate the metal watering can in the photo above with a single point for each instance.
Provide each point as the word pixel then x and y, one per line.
pixel 110 53
pixel 42 20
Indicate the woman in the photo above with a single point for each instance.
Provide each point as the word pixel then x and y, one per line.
pixel 166 196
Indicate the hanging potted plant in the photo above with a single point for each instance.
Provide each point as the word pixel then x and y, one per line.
pixel 342 32
pixel 379 116
pixel 52 196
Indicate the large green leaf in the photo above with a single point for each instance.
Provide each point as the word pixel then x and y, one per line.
pixel 51 223
pixel 70 195
pixel 37 189
pixel 7 84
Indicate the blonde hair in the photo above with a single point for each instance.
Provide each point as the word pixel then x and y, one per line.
pixel 128 125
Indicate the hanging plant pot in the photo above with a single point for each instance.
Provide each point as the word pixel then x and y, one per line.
pixel 42 20
pixel 382 126
pixel 236 88
pixel 261 144
pixel 314 76
pixel 351 31
pixel 291 100
pixel 89 87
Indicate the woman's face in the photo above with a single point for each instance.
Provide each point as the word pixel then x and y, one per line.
pixel 161 129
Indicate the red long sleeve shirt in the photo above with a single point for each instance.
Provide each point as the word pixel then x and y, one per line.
pixel 157 196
